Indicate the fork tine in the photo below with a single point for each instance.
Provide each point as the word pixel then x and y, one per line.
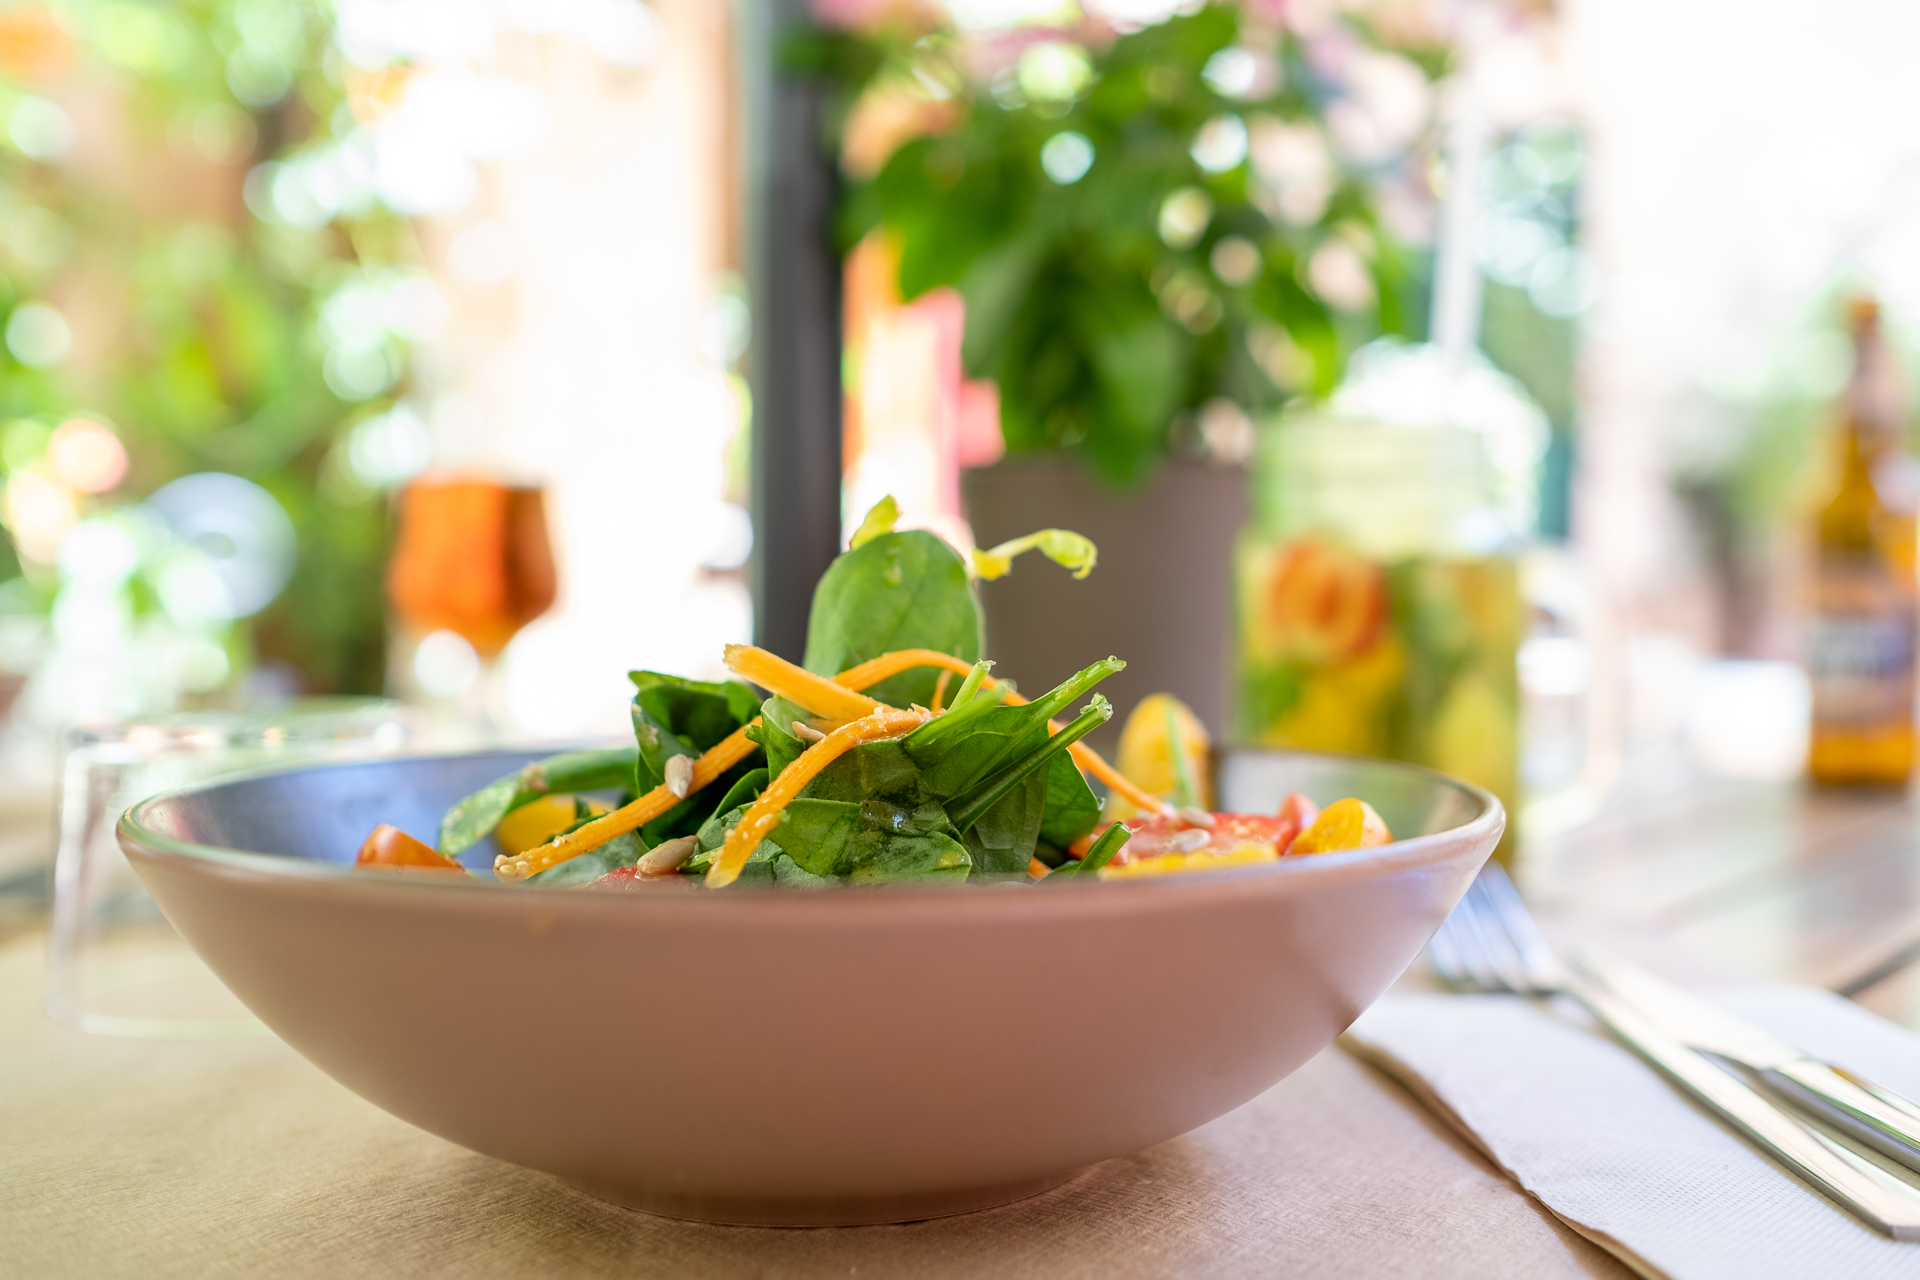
pixel 1534 952
pixel 1469 936
pixel 1491 966
pixel 1502 954
pixel 1444 955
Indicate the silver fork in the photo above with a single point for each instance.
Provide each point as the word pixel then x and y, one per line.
pixel 1491 943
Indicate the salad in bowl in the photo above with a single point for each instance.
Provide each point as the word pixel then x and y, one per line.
pixel 889 754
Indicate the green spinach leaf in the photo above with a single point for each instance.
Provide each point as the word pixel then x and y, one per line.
pixel 678 717
pixel 957 751
pixel 1002 840
pixel 776 733
pixel 897 591
pixel 473 819
pixel 969 808
pixel 872 770
pixel 871 840
pixel 1072 808
pixel 1098 856
pixel 621 851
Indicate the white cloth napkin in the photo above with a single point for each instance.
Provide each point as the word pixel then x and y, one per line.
pixel 1622 1156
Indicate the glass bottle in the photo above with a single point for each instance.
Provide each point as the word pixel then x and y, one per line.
pixel 1860 644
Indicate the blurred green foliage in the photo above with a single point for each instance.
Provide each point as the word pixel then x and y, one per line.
pixel 1066 200
pixel 197 321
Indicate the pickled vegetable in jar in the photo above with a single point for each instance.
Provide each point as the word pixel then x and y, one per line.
pixel 1379 597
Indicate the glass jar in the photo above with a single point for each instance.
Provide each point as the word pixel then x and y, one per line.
pixel 1380 608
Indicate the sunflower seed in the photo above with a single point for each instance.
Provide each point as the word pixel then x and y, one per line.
pixel 664 859
pixel 679 775
pixel 806 732
pixel 1194 817
pixel 1188 841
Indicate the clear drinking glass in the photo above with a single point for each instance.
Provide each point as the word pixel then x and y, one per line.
pixel 115 966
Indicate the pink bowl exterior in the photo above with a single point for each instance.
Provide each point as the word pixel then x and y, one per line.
pixel 793 1057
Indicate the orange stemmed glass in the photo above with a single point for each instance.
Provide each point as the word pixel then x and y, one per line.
pixel 473 558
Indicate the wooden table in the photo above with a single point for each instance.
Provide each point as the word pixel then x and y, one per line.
pixel 1747 879
pixel 152 1160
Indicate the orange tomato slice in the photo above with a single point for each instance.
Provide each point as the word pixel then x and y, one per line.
pixel 389 846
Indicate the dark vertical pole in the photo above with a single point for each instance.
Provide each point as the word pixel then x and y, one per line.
pixel 794 364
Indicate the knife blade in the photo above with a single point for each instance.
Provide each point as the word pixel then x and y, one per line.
pixel 1882 1200
pixel 1866 1112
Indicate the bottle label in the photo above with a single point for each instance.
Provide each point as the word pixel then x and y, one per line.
pixel 1861 666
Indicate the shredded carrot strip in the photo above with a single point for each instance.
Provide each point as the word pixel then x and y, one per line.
pixel 874 670
pixel 828 699
pixel 725 754
pixel 1093 763
pixel 939 691
pixel 763 815
pixel 834 699
pixel 1038 869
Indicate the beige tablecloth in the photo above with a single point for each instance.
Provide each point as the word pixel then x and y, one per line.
pixel 154 1160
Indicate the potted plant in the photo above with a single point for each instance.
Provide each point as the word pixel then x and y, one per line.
pixel 1160 235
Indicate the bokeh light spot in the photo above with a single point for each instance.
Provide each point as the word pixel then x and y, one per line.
pixel 1054 71
pixel 357 373
pixel 39 511
pixel 42 130
pixel 1235 260
pixel 1221 144
pixel 38 335
pixel 39 237
pixel 1066 157
pixel 1232 72
pixel 1184 216
pixel 445 664
pixel 86 455
pixel 223 133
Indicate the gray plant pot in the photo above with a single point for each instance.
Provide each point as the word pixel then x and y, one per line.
pixel 1161 597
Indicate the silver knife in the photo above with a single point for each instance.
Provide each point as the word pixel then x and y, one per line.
pixel 1869 1113
pixel 1875 1195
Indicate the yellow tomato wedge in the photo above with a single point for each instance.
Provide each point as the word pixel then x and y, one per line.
pixel 1165 751
pixel 538 821
pixel 1204 860
pixel 1344 824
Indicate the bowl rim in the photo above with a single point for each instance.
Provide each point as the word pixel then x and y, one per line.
pixel 227 863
